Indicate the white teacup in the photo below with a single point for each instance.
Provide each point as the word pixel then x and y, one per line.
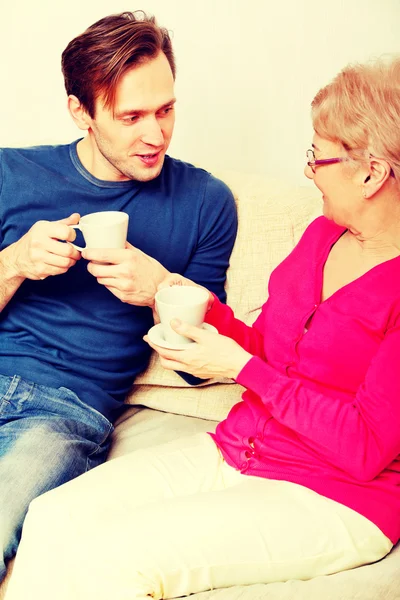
pixel 106 229
pixel 184 302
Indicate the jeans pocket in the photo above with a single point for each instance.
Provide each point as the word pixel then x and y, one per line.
pixel 89 415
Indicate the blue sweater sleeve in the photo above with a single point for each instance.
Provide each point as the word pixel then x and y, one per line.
pixel 217 233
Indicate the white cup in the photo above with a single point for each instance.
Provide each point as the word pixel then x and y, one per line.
pixel 184 302
pixel 106 229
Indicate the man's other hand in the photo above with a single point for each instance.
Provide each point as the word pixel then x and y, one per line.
pixel 129 274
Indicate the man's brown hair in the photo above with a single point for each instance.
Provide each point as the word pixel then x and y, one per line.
pixel 94 62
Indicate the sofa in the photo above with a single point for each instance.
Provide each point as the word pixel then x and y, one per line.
pixel 162 406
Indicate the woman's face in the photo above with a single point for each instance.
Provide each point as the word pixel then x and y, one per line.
pixel 340 186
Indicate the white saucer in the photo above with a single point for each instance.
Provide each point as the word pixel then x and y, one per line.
pixel 156 335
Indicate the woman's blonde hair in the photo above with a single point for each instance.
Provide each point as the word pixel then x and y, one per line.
pixel 360 109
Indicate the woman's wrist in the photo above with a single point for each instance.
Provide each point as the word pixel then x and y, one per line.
pixel 241 360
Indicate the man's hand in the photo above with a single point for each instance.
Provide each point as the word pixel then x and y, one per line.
pixel 213 355
pixel 129 274
pixel 41 252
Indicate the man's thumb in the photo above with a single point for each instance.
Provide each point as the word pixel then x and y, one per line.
pixel 71 220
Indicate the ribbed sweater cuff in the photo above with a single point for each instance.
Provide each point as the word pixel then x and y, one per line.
pixel 258 376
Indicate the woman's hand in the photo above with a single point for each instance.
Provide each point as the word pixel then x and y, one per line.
pixel 212 355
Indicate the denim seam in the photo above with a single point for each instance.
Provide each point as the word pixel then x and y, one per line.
pixel 99 447
pixel 103 440
pixel 5 400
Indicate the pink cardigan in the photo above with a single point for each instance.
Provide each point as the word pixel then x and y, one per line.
pixel 322 405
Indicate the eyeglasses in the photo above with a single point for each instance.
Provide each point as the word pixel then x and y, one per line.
pixel 312 162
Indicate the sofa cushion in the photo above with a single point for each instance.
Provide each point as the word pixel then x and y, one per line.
pixel 212 402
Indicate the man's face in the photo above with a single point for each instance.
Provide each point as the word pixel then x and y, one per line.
pixel 130 141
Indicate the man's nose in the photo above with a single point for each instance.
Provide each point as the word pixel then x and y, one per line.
pixel 152 133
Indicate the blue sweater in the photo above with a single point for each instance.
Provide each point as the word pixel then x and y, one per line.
pixel 68 330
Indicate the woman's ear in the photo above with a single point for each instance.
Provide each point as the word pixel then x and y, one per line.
pixel 78 113
pixel 379 173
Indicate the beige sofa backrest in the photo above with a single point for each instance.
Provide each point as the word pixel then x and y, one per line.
pixel 272 217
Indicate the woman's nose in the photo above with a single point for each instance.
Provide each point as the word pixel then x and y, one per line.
pixel 308 172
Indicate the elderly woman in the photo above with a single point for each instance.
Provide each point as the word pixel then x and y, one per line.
pixel 303 477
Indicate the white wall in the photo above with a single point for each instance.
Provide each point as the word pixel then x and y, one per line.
pixel 247 70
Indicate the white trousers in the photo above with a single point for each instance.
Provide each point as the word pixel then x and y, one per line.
pixel 176 519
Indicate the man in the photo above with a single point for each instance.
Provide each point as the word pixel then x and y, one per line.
pixel 71 325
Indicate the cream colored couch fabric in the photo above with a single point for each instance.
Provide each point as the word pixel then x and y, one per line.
pixel 272 217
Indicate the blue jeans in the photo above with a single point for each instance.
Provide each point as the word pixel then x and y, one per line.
pixel 47 437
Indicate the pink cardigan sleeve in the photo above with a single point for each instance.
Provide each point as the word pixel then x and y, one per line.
pixel 361 437
pixel 249 338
